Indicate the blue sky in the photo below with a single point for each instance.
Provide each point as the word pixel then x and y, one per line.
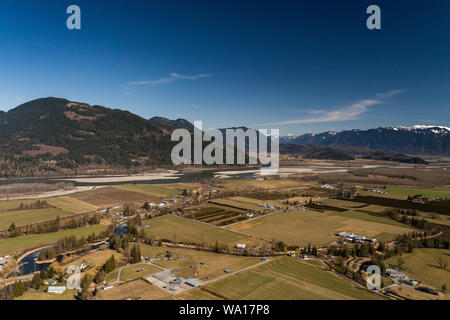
pixel 300 66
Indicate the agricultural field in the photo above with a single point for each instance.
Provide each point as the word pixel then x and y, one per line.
pixel 288 278
pixel 219 216
pixel 312 227
pixel 429 193
pixel 214 266
pixel 359 215
pixel 29 216
pixel 70 204
pixel 342 203
pixel 109 197
pixel 16 245
pixel 239 203
pixel 423 265
pixel 267 184
pixel 41 295
pixel 152 190
pixel 134 290
pixel 137 271
pixel 196 294
pixel 187 230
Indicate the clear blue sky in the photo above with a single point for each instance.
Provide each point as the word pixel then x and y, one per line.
pixel 301 66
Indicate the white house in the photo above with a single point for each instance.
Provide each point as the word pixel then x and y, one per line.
pixel 241 246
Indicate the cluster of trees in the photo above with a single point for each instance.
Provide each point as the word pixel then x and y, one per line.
pixel 65 244
pixel 135 254
pixel 407 216
pixel 38 204
pixel 38 278
pixel 53 226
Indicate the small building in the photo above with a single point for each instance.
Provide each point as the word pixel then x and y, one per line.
pixel 56 290
pixel 226 271
pixel 202 262
pixel 192 283
pixel 241 246
pixel 264 259
pixel 176 281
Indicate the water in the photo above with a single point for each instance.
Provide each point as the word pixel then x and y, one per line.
pixel 29 264
pixel 122 229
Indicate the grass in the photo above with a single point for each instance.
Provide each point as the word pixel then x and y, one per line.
pixel 40 295
pixel 150 189
pixel 341 203
pixel 422 264
pixel 71 204
pixel 16 245
pixel 29 216
pixel 429 193
pixel 214 267
pixel 14 204
pixel 312 227
pixel 131 272
pixel 187 230
pixel 196 294
pixel 288 279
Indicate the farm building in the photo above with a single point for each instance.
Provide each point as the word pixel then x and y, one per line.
pixel 176 281
pixel 192 283
pixel 241 246
pixel 56 290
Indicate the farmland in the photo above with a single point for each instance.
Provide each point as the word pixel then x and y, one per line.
pixel 423 265
pixel 15 245
pixel 41 295
pixel 134 290
pixel 214 266
pixel 186 230
pixel 312 227
pixel 215 215
pixel 150 190
pixel 29 216
pixel 243 203
pixel 137 271
pixel 109 196
pixel 71 204
pixel 285 278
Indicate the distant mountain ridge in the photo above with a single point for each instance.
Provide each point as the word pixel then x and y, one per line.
pixel 420 139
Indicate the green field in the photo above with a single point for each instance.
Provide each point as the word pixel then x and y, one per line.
pixel 30 216
pixel 214 266
pixel 71 205
pixel 288 279
pixel 16 245
pixel 423 265
pixel 312 227
pixel 14 204
pixel 240 202
pixel 150 189
pixel 187 230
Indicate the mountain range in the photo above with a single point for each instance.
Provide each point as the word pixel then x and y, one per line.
pixel 420 139
pixel 48 134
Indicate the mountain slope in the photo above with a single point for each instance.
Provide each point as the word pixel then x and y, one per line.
pixel 178 124
pixel 74 134
pixel 432 140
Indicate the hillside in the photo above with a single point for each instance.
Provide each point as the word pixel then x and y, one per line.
pixel 430 140
pixel 51 133
pixel 178 123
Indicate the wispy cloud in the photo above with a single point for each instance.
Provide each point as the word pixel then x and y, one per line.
pixel 171 78
pixel 350 112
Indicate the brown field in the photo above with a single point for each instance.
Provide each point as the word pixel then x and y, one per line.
pixel 135 290
pixel 313 227
pixel 109 196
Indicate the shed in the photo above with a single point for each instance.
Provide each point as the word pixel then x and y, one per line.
pixel 192 283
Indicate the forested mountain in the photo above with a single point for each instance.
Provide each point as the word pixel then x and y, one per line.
pixel 64 134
